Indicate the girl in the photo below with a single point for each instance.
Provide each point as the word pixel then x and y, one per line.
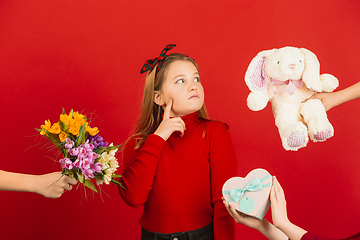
pixel 177 161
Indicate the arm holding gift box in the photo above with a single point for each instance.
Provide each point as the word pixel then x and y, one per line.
pixel 279 213
pixel 282 228
pixel 263 226
pixel 333 99
pixel 281 221
pixel 50 185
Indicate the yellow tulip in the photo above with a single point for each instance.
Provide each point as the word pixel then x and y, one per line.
pixel 77 116
pixel 55 128
pixel 62 136
pixel 92 131
pixel 46 126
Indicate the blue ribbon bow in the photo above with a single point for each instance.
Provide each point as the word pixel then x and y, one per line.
pixel 254 185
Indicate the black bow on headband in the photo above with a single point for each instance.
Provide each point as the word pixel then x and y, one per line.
pixel 151 63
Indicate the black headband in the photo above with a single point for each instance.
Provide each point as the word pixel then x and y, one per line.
pixel 151 63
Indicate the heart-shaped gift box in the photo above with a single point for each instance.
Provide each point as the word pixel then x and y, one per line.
pixel 249 195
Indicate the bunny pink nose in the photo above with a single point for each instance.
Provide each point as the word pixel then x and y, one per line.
pixel 291 65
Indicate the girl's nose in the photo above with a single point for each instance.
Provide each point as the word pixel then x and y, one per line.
pixel 192 87
pixel 291 66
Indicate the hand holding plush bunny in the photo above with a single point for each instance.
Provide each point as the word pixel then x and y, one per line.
pixel 287 77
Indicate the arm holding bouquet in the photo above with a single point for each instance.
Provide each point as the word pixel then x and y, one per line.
pixel 51 185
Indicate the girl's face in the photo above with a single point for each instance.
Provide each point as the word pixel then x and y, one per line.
pixel 182 85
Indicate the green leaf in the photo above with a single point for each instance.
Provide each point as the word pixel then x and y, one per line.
pixel 80 177
pixel 54 139
pixel 81 138
pixel 108 149
pixel 99 176
pixel 63 111
pixel 63 127
pixel 115 175
pixel 117 183
pixel 90 185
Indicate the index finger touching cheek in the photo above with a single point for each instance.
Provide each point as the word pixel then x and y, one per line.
pixel 168 109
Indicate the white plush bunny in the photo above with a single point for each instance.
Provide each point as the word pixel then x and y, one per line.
pixel 287 77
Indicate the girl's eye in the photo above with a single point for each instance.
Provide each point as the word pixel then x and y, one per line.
pixel 197 79
pixel 278 62
pixel 180 81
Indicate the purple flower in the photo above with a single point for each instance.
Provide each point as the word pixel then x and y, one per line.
pixel 69 143
pixel 97 140
pixel 86 162
pixel 97 167
pixel 74 151
pixel 66 163
pixel 88 146
pixel 82 151
pixel 93 155
pixel 88 173
pixel 77 163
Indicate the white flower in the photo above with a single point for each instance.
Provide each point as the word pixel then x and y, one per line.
pixel 110 165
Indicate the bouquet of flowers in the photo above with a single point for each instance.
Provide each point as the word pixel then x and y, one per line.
pixel 85 155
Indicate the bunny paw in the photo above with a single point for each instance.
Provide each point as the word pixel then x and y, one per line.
pixel 322 136
pixel 296 140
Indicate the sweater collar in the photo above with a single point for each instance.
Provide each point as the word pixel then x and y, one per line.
pixel 190 119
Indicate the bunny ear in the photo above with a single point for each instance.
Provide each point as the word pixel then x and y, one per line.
pixel 311 74
pixel 258 79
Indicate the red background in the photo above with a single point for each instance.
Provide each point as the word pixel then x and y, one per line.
pixel 87 55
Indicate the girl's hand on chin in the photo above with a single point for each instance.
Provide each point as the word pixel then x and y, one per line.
pixel 170 125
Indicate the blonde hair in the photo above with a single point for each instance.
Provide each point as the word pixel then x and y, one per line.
pixel 151 113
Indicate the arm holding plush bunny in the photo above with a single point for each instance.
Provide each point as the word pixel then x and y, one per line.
pixel 333 99
pixel 282 228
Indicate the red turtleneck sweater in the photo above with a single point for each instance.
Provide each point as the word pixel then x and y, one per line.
pixel 179 181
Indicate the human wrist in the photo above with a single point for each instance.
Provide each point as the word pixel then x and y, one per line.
pixel 271 232
pixel 262 228
pixel 33 183
pixel 292 231
pixel 284 224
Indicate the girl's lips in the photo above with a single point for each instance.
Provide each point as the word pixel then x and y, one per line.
pixel 194 96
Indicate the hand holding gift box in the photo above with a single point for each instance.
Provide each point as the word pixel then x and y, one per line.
pixel 249 195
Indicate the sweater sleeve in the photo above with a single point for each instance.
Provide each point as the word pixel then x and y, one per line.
pixel 223 166
pixel 139 170
pixel 311 236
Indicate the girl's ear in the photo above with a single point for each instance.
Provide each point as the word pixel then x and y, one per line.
pixel 158 98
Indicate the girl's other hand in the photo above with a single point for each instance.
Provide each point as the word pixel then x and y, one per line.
pixel 170 125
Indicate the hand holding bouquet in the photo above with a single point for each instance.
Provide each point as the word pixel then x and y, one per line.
pixel 85 155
